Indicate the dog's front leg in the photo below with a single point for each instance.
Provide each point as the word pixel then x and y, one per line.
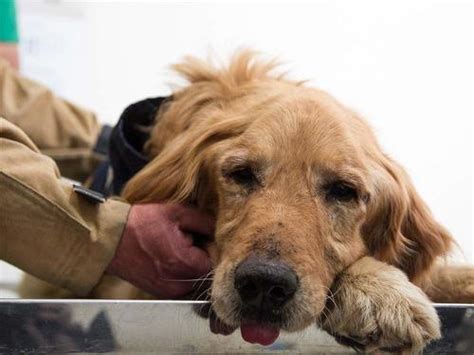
pixel 373 306
pixel 451 284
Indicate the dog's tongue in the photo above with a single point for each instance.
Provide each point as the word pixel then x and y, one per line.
pixel 262 334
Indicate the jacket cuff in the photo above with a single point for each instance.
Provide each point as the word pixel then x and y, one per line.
pixel 108 222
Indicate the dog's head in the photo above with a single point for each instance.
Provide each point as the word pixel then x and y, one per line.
pixel 298 185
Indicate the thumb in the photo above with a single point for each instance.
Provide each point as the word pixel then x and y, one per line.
pixel 193 221
pixel 199 261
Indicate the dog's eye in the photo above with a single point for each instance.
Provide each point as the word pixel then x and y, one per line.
pixel 341 191
pixel 243 176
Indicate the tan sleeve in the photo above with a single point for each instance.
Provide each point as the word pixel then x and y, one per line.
pixel 46 228
pixel 62 130
pixel 51 122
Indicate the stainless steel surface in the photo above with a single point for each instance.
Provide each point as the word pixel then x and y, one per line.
pixel 170 327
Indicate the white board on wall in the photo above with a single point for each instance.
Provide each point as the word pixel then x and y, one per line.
pixel 56 50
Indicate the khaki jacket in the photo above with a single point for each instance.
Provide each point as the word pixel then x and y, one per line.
pixel 46 228
pixel 60 129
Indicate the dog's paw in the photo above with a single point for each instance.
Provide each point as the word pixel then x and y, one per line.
pixel 375 307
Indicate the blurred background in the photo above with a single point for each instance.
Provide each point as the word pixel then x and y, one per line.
pixel 406 66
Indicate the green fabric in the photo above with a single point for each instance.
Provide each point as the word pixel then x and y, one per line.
pixel 8 27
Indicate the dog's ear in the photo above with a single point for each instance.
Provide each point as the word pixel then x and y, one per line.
pixel 193 123
pixel 180 172
pixel 400 228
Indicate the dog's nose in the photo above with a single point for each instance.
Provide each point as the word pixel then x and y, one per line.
pixel 265 284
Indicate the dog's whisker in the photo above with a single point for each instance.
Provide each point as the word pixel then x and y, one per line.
pixel 208 277
pixel 325 312
pixel 186 280
pixel 203 293
pixel 210 309
pixel 328 319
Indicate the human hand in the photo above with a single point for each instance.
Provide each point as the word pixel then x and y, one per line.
pixel 157 253
pixel 9 52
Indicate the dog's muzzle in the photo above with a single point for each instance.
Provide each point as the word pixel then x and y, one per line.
pixel 264 287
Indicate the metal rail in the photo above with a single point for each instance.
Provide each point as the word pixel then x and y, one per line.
pixel 48 326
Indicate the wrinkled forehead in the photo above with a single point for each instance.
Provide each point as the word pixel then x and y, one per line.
pixel 309 131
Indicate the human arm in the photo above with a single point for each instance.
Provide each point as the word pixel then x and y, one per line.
pixel 47 229
pixel 60 129
pixel 58 235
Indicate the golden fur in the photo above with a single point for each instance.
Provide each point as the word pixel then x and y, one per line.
pixel 220 105
pixel 378 307
pixel 296 141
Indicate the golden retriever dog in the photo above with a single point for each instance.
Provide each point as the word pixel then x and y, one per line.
pixel 314 223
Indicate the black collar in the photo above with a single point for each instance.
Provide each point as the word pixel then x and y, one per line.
pixel 125 149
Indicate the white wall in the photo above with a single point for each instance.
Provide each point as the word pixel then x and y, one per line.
pixel 408 67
